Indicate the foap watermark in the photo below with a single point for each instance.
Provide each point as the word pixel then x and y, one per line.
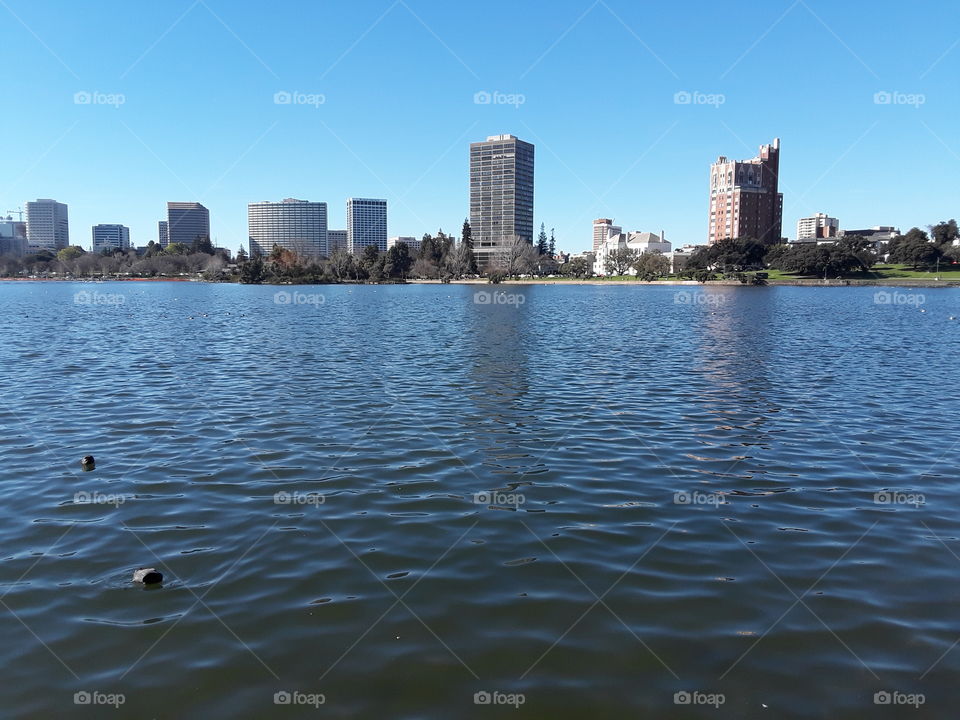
pixel 95 97
pixel 95 697
pixel 495 697
pixel 500 499
pixel 685 97
pixel 895 97
pixel 895 697
pixel 484 97
pixel 484 297
pixel 85 297
pixel 295 97
pixel 295 697
pixel 685 297
pixel 697 697
pixel 98 498
pixel 893 497
pixel 698 498
pixel 283 297
pixel 298 498
pixel 884 297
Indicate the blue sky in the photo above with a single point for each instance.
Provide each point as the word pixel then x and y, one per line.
pixel 598 81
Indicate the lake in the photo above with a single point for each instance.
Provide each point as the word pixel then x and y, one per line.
pixel 450 501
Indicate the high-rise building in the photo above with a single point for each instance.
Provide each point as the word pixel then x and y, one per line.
pixel 817 226
pixel 366 224
pixel 47 226
pixel 162 234
pixel 744 200
pixel 113 237
pixel 336 240
pixel 501 194
pixel 187 222
pixel 603 230
pixel 13 237
pixel 296 225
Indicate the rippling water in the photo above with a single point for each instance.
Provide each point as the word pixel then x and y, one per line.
pixel 678 493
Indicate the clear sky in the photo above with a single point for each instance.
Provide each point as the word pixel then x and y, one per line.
pixel 598 82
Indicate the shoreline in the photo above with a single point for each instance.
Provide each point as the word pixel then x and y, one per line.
pixel 799 282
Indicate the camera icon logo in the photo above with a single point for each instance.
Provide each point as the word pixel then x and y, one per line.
pixel 282 698
pixel 482 97
pixel 282 97
pixel 282 298
pixel 482 698
pixel 682 97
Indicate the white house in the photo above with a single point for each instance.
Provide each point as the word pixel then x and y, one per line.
pixel 638 241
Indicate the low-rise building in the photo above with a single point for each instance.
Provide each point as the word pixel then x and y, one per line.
pixel 110 237
pixel 641 242
pixel 411 242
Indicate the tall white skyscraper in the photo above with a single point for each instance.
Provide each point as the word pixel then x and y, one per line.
pixel 366 224
pixel 47 226
pixel 296 225
pixel 113 237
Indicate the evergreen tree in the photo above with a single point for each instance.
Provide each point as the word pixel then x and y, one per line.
pixel 241 255
pixel 553 244
pixel 467 241
pixel 542 244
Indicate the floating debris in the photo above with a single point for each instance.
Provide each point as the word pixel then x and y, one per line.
pixel 147 576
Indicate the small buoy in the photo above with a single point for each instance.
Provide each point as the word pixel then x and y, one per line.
pixel 87 462
pixel 147 576
pixel 952 317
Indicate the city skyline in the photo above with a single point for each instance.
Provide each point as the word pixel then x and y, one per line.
pixel 291 119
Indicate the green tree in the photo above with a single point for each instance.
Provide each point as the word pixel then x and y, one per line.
pixel 619 261
pixel 466 240
pixel 252 272
pixel 651 265
pixel 398 261
pixel 944 233
pixel 202 244
pixel 914 249
pixel 552 247
pixel 241 255
pixel 70 253
pixel 543 245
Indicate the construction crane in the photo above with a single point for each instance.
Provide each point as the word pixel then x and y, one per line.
pixel 19 212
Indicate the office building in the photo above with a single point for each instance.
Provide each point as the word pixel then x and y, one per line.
pixel 603 230
pixel 110 237
pixel 187 222
pixel 296 225
pixel 817 226
pixel 336 240
pixel 744 199
pixel 411 242
pixel 13 237
pixel 366 224
pixel 47 226
pixel 162 235
pixel 501 195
